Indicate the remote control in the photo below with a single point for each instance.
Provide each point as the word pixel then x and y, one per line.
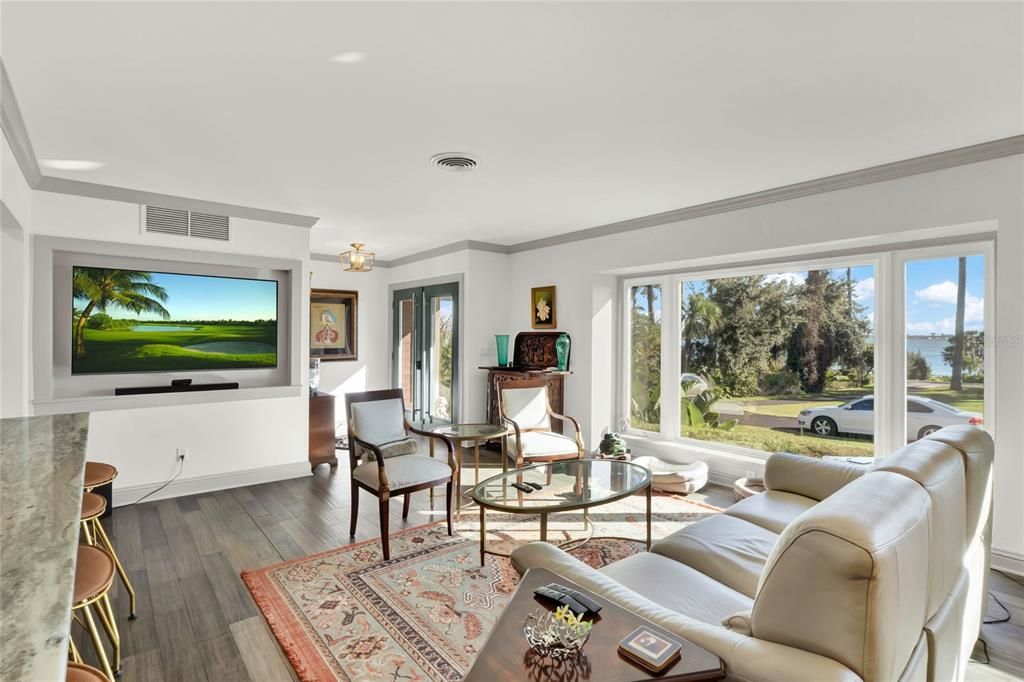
pixel 561 599
pixel 535 486
pixel 587 602
pixel 522 486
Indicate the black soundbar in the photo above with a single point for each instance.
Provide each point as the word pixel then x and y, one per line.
pixel 178 388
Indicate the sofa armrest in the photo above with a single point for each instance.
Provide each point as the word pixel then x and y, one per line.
pixel 745 658
pixel 811 477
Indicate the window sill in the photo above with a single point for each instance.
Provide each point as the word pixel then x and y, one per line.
pixel 725 464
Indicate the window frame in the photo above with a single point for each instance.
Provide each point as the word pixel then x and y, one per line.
pixel 888 326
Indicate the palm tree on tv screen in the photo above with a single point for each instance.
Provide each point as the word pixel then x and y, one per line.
pixel 128 289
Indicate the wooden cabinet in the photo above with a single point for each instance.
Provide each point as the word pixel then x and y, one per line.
pixel 533 354
pixel 321 431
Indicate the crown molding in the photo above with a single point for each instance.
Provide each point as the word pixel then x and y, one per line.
pixel 928 163
pixel 136 196
pixel 14 130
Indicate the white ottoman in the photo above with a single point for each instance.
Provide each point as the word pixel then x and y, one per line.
pixel 675 478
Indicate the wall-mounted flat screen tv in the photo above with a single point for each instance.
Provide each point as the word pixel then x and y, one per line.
pixel 140 321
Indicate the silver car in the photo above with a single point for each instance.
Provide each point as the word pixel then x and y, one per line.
pixel 924 416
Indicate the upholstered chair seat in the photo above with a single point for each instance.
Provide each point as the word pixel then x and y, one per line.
pixel 403 472
pixel 540 444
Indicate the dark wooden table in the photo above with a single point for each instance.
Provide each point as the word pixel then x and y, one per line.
pixel 506 657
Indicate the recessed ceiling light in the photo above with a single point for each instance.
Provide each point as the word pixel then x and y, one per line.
pixel 349 58
pixel 71 164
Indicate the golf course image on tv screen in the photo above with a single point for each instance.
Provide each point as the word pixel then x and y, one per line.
pixel 140 321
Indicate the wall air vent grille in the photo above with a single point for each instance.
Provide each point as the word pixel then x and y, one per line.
pixel 184 223
pixel 167 220
pixel 209 226
pixel 455 162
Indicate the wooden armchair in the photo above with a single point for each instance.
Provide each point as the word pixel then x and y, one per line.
pixel 524 406
pixel 383 456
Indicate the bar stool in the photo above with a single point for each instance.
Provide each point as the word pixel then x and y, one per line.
pixel 94 574
pixel 97 474
pixel 79 672
pixel 93 507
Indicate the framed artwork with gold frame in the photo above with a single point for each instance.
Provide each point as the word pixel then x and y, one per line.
pixel 333 316
pixel 542 307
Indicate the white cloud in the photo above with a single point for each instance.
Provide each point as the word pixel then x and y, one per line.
pixel 864 289
pixel 943 292
pixel 794 278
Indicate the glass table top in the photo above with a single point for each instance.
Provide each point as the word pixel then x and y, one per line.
pixel 469 430
pixel 575 484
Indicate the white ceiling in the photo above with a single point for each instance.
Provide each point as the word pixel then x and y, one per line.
pixel 582 114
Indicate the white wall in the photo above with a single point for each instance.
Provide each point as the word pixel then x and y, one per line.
pixel 14 254
pixel 988 191
pixel 229 443
pixel 371 370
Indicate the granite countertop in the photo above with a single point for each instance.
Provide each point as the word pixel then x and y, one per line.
pixel 42 460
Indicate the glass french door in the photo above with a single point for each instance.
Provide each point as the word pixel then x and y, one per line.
pixel 425 348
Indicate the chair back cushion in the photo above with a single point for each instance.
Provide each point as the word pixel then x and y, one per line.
pixel 527 407
pixel 847 579
pixel 378 421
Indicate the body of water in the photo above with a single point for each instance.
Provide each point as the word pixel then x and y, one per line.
pixel 161 328
pixel 931 348
pixel 234 347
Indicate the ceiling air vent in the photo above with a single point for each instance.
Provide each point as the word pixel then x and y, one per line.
pixel 184 223
pixel 167 220
pixel 455 161
pixel 209 226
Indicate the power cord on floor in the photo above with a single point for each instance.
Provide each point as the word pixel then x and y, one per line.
pixel 172 479
pixel 1005 619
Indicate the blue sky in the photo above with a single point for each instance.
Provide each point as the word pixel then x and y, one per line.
pixel 930 294
pixel 195 297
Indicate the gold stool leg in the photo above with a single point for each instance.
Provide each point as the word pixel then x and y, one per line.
pixel 94 635
pixel 105 541
pixel 73 651
pixel 110 625
pixel 89 540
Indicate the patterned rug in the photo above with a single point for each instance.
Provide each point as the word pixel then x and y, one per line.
pixel 346 614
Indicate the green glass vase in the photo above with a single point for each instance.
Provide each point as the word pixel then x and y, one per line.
pixel 502 341
pixel 562 351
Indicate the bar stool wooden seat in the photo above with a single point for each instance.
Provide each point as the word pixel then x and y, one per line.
pixel 93 507
pixel 79 672
pixel 94 574
pixel 97 474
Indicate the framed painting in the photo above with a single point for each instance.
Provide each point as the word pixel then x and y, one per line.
pixel 542 307
pixel 332 324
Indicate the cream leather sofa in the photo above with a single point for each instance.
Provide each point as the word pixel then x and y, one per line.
pixel 837 572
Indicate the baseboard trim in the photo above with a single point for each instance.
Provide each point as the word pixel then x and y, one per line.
pixel 1005 560
pixel 204 484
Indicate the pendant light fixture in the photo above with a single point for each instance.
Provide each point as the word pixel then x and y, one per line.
pixel 357 260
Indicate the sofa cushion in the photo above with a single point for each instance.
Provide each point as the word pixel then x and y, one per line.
pixel 809 476
pixel 848 578
pixel 677 587
pixel 726 548
pixel 772 510
pixel 939 469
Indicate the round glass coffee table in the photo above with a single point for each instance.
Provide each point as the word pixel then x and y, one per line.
pixel 465 433
pixel 564 486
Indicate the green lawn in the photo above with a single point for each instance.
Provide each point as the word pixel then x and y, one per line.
pixel 971 398
pixel 770 440
pixel 124 350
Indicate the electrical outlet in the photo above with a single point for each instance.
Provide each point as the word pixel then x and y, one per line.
pixel 181 453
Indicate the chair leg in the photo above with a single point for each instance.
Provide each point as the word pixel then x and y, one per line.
pixel 384 536
pixel 355 511
pixel 405 507
pixel 94 635
pixel 448 505
pixel 101 535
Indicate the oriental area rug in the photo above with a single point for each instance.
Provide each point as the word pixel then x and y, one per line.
pixel 346 614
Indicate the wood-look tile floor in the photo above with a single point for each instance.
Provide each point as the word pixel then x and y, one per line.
pixel 196 620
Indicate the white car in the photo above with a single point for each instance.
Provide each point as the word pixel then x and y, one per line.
pixel 924 416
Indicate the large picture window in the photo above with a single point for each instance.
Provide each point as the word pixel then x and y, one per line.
pixel 807 358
